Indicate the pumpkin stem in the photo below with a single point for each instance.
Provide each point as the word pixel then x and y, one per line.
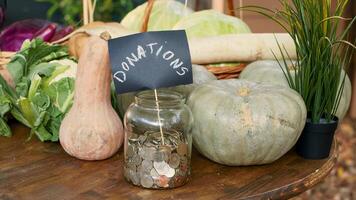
pixel 105 35
pixel 244 91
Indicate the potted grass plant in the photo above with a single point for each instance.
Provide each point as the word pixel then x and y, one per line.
pixel 318 76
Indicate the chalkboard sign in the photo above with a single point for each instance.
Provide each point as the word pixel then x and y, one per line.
pixel 150 60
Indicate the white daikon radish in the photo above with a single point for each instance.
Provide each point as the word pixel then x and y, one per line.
pixel 240 47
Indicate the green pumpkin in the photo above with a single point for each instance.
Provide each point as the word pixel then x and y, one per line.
pixel 269 71
pixel 200 75
pixel 238 122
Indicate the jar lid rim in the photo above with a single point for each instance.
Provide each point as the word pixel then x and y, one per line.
pixel 164 97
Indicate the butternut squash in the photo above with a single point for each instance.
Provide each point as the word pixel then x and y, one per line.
pixel 92 129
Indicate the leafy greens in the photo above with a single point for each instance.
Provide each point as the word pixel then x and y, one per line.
pixel 37 101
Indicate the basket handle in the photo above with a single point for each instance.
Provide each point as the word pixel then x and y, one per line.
pixel 146 16
pixel 231 8
pixel 88 11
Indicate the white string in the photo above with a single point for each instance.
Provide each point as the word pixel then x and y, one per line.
pixel 94 6
pixel 85 10
pixel 185 6
pixel 158 116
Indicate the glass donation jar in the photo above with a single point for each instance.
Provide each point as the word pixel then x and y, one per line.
pixel 158 140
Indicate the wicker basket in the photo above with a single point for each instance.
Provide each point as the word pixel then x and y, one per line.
pixel 5 57
pixel 228 72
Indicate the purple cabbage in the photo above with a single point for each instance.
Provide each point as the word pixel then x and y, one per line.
pixel 62 32
pixel 12 37
pixel 46 32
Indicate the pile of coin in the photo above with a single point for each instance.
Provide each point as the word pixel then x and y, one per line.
pixel 155 162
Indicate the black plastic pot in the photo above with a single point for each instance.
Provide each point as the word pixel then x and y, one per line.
pixel 316 139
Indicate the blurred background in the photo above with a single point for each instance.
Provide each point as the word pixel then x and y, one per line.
pixel 341 184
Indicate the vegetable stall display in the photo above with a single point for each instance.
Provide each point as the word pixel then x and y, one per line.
pixel 92 130
pixel 269 71
pixel 238 122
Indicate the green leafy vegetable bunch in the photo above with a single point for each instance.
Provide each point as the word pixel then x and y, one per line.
pixel 44 88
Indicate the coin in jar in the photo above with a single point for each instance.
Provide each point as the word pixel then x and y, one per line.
pixel 134 177
pixel 174 160
pixel 133 138
pixel 130 151
pixel 142 138
pixel 131 166
pixel 143 171
pixel 141 152
pixel 183 164
pixel 164 148
pixel 163 168
pixel 136 159
pixel 149 153
pixel 154 173
pixel 181 173
pixel 161 156
pixel 156 135
pixel 162 181
pixel 182 149
pixel 146 181
pixel 147 164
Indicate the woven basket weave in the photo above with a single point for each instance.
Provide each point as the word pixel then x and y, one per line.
pixel 5 57
pixel 227 72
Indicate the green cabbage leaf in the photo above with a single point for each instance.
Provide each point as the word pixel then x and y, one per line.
pixel 211 23
pixel 164 15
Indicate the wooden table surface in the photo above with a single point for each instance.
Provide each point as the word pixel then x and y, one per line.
pixel 35 170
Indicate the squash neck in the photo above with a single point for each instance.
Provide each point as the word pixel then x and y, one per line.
pixel 94 78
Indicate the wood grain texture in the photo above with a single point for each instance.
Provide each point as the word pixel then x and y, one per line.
pixel 35 170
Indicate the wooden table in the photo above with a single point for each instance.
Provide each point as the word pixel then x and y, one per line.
pixel 35 170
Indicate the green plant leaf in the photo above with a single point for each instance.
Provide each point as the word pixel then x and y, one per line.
pixel 61 93
pixel 4 128
pixel 321 52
